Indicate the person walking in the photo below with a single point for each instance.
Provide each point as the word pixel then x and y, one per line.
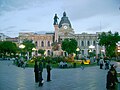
pixel 48 71
pixel 36 71
pixel 40 74
pixel 101 63
pixel 111 79
pixel 82 65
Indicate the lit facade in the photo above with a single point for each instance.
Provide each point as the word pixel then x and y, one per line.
pixel 62 30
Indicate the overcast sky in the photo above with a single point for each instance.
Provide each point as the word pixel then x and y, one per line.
pixel 89 16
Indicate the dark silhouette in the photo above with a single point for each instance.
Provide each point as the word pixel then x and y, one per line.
pixel 55 20
pixel 36 71
pixel 101 63
pixel 40 74
pixel 48 71
pixel 111 79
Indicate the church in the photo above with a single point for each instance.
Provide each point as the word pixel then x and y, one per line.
pixel 62 30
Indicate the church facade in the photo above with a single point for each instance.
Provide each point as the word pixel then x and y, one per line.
pixel 62 30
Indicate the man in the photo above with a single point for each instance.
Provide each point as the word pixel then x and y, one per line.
pixel 36 71
pixel 48 71
pixel 111 79
pixel 40 74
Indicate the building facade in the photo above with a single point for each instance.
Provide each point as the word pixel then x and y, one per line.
pixel 62 30
pixel 3 37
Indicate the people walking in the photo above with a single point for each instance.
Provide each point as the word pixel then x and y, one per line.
pixel 111 79
pixel 36 71
pixel 40 74
pixel 48 71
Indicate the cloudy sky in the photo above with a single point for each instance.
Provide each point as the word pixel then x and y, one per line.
pixel 37 15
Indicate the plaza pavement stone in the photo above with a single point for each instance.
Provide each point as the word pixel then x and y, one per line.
pixel 17 78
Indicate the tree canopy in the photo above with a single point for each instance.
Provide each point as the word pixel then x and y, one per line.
pixel 28 45
pixel 109 40
pixel 69 45
pixel 41 51
pixel 8 47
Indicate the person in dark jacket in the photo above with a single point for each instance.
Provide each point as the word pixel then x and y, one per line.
pixel 48 71
pixel 111 79
pixel 40 74
pixel 36 71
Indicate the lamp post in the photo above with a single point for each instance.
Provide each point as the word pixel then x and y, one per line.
pixel 91 51
pixel 118 50
pixel 21 47
pixel 33 53
pixel 77 50
pixel 91 48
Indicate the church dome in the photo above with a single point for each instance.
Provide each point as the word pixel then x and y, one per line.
pixel 64 19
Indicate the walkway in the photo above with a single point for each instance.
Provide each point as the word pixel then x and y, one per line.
pixel 16 78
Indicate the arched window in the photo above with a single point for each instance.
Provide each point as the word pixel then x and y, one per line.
pixel 82 44
pixel 94 43
pixel 88 43
pixel 36 44
pixel 42 44
pixel 48 43
pixel 48 52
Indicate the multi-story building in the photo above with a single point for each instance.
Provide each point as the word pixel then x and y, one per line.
pixel 63 29
pixel 42 41
pixel 3 37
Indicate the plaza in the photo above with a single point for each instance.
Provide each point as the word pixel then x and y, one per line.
pixel 16 78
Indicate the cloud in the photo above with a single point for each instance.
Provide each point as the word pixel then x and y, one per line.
pixel 37 15
pixel 80 9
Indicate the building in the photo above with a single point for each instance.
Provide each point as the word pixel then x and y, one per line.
pixel 62 30
pixel 3 37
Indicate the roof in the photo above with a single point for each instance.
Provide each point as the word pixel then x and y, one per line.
pixel 64 19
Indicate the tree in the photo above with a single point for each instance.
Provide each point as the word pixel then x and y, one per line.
pixel 28 46
pixel 8 47
pixel 109 40
pixel 41 51
pixel 69 45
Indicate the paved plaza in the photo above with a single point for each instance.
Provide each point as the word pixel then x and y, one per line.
pixel 16 78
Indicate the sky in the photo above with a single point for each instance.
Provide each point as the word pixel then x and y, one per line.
pixel 36 16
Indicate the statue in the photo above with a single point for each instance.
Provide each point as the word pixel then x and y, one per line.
pixel 55 20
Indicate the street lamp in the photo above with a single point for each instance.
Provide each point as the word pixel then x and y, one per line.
pixel 118 46
pixel 118 50
pixel 77 50
pixel 22 47
pixel 91 47
pixel 33 49
pixel 91 51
